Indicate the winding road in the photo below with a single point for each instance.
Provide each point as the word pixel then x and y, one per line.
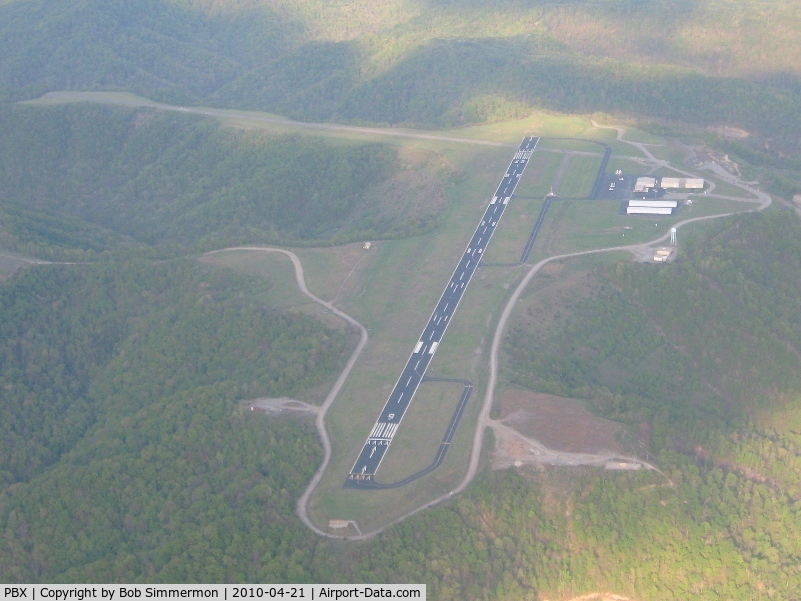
pixel 332 394
pixel 484 420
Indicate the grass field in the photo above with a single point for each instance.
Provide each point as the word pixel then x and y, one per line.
pixel 624 149
pixel 670 153
pixel 521 213
pixel 627 166
pixel 539 123
pixel 575 225
pixel 335 272
pixel 725 189
pixel 283 292
pixel 539 175
pixel 513 231
pixel 570 144
pixel 414 448
pixel 580 177
pixel 633 134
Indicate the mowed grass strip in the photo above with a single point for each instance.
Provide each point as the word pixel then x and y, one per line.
pixel 538 123
pixel 627 166
pixel 522 211
pixel 400 288
pixel 570 144
pixel 579 177
pixel 539 175
pixel 633 134
pixel 624 149
pixel 725 189
pixel 671 153
pixel 512 234
pixel 334 272
pixel 415 445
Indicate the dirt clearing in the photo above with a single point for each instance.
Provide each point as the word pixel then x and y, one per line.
pixel 559 423
pixel 279 405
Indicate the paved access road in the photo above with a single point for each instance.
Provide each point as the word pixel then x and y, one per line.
pixel 401 396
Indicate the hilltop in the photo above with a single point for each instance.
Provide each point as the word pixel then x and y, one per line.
pixel 433 64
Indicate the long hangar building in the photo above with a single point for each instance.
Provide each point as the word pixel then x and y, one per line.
pixel 654 188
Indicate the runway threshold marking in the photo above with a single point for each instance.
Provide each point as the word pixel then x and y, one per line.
pixel 375 448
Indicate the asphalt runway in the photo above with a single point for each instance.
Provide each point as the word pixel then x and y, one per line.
pixel 380 437
pixel 443 446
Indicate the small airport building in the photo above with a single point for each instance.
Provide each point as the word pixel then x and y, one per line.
pixel 644 184
pixel 662 255
pixel 651 191
pixel 652 207
pixel 681 183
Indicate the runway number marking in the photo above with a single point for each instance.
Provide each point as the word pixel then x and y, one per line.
pixel 381 435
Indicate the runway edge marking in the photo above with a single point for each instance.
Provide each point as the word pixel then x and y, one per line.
pixel 375 437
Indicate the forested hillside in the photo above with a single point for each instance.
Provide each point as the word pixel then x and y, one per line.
pixel 425 63
pixel 169 48
pixel 94 179
pixel 125 452
pixel 89 343
pixel 695 349
pixel 173 483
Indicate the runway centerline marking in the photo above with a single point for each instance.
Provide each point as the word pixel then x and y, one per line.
pixel 377 444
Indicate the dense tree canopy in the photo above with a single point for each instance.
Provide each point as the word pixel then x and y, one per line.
pixel 156 474
pixel 125 454
pixel 171 180
pixel 88 343
pixel 396 62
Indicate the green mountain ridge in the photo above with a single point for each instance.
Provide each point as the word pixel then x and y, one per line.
pixel 187 488
pixel 412 64
pixel 125 452
pixel 103 179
